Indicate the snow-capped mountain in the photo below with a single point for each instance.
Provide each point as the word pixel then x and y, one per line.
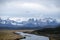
pixel 50 22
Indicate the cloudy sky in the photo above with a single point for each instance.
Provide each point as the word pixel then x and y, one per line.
pixel 30 8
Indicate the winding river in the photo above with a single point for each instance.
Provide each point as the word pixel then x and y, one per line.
pixel 34 37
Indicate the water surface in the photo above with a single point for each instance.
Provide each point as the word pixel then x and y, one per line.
pixel 34 37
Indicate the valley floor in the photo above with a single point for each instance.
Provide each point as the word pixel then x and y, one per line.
pixel 9 34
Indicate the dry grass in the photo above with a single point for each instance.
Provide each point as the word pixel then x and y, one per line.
pixel 8 34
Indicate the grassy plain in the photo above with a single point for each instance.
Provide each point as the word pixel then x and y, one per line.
pixel 9 35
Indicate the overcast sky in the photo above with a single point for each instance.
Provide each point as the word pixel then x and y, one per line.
pixel 30 8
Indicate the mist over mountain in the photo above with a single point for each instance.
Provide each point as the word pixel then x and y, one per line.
pixel 31 23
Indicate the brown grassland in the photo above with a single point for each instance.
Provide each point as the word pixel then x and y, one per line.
pixel 9 35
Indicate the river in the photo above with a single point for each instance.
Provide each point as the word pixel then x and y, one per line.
pixel 32 36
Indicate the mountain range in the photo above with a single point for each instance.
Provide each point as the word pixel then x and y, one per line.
pixel 31 23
